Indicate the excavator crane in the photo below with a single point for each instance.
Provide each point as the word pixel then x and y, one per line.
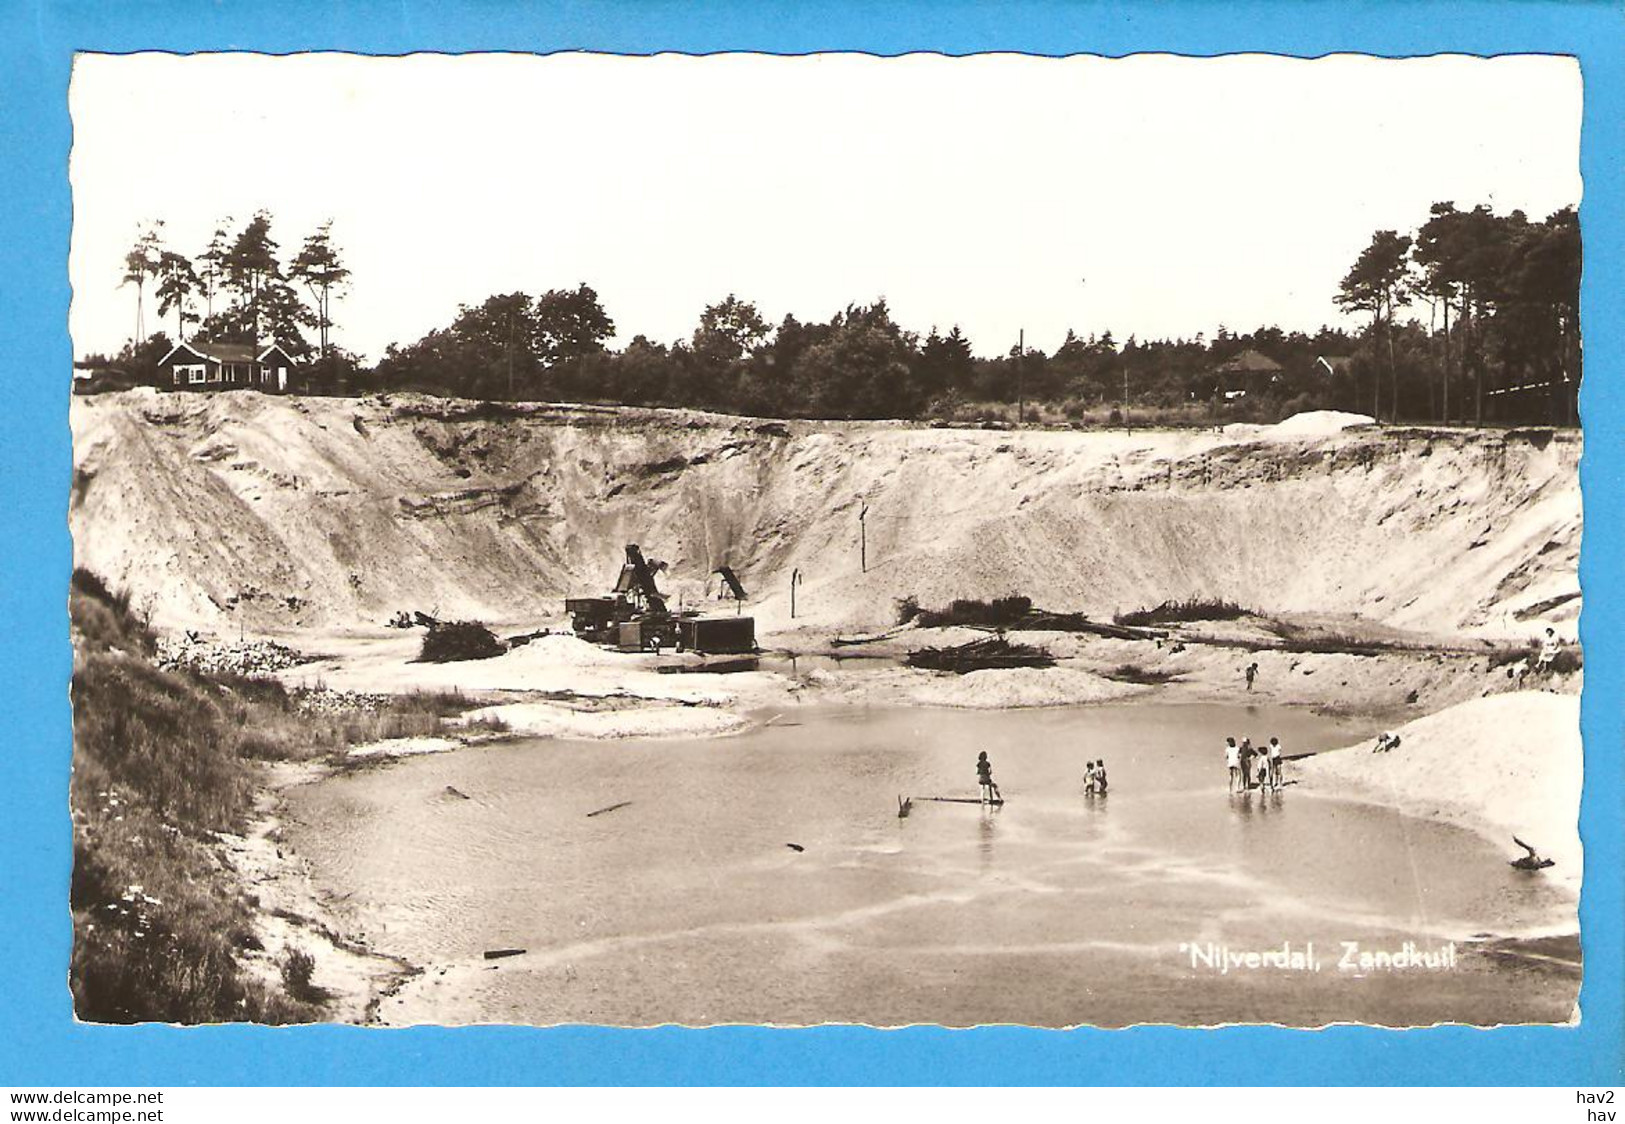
pixel 636 616
pixel 637 582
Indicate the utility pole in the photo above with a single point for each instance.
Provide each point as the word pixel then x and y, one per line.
pixel 795 580
pixel 510 355
pixel 1021 376
pixel 863 537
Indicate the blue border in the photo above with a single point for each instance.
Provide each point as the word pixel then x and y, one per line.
pixel 39 1042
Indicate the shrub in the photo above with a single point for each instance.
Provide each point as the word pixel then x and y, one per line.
pixel 1001 612
pixel 908 608
pixel 490 724
pixel 257 746
pixel 459 640
pixel 1134 673
pixel 1191 609
pixel 102 619
pixel 298 966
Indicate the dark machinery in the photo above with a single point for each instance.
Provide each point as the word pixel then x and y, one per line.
pixel 635 616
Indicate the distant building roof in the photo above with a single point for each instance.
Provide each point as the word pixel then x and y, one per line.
pixel 227 352
pixel 1249 362
pixel 224 352
pixel 1334 363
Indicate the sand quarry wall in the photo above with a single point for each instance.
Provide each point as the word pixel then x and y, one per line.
pixel 330 513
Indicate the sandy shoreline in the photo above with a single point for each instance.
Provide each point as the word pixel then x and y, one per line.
pixel 291 913
pixel 1498 766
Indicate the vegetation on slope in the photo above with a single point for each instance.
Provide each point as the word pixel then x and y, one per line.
pixel 164 761
pixel 158 924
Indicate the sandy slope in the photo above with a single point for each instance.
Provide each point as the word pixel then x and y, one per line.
pixel 271 513
pixel 1503 765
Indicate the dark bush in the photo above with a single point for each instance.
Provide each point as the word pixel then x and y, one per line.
pixel 298 966
pixel 459 640
pixel 1134 673
pixel 908 608
pixel 1192 609
pixel 1001 612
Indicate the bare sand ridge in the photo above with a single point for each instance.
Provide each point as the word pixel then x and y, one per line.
pixel 274 513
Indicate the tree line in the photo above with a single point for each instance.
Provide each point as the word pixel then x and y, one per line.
pixel 1503 300
pixel 1501 343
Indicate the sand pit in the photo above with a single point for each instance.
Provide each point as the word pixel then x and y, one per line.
pixel 1383 570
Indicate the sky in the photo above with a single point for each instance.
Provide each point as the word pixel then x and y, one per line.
pixel 1154 196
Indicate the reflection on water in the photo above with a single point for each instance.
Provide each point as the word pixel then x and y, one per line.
pixel 984 844
pixel 686 904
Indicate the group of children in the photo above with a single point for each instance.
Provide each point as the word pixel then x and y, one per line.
pixel 1094 779
pixel 1240 760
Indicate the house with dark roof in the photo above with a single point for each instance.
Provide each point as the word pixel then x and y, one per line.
pixel 223 366
pixel 1250 371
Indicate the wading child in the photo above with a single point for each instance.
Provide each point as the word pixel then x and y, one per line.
pixel 1089 780
pixel 1232 761
pixel 1100 776
pixel 1275 761
pixel 984 778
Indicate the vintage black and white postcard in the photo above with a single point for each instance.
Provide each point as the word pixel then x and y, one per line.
pixel 579 539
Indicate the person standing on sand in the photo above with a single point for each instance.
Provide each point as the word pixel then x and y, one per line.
pixel 1548 652
pixel 1251 673
pixel 984 778
pixel 1232 761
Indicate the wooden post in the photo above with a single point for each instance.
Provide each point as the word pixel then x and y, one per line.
pixel 1021 376
pixel 795 580
pixel 1445 408
pixel 863 538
